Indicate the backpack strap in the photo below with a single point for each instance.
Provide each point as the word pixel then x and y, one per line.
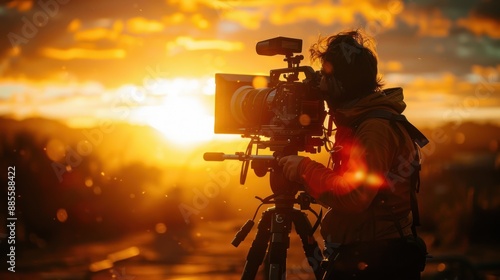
pixel 415 134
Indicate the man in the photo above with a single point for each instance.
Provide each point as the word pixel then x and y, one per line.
pixel 368 228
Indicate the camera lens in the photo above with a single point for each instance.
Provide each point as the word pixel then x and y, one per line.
pixel 250 106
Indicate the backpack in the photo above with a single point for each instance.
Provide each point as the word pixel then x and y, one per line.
pixel 419 141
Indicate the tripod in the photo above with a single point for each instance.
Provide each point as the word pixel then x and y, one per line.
pixel 273 230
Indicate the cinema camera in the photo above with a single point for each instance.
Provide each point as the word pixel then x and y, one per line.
pixel 286 108
pixel 290 114
pixel 287 111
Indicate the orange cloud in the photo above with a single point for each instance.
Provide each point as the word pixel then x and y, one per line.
pixel 142 25
pixel 486 71
pixel 247 19
pixel 174 19
pixel 443 84
pixel 20 5
pixel 97 33
pixel 114 33
pixel 200 21
pixel 391 66
pixel 74 25
pixel 186 5
pixel 447 97
pixel 447 89
pixel 324 13
pixel 80 53
pixel 250 14
pixel 194 45
pixel 481 25
pixel 429 23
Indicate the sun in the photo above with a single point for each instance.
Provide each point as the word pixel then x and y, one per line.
pixel 180 111
pixel 183 120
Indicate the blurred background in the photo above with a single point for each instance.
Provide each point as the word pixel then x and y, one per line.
pixel 106 108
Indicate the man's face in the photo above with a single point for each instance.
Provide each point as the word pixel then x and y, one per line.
pixel 327 68
pixel 330 86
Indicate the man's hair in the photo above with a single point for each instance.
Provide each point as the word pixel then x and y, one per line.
pixel 354 61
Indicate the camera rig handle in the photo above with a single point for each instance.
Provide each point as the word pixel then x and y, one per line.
pixel 260 163
pixel 293 61
pixel 214 156
pixel 292 75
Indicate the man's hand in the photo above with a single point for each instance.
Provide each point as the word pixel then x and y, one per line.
pixel 291 167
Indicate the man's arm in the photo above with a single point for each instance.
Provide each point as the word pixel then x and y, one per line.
pixel 370 158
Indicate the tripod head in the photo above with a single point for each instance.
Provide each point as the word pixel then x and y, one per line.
pixel 261 165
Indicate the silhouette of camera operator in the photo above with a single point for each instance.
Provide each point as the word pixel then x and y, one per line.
pixel 369 229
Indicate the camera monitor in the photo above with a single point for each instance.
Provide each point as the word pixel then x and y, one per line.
pixel 279 45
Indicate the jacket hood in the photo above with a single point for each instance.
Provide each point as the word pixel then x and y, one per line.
pixel 389 100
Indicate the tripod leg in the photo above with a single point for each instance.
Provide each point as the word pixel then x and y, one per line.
pixel 311 248
pixel 281 225
pixel 259 246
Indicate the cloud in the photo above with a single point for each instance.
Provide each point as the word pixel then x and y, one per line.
pixel 219 35
pixel 195 5
pixel 111 34
pixel 323 13
pixel 186 5
pixel 390 66
pixel 20 5
pixel 199 21
pixel 449 97
pixel 250 20
pixel 140 25
pixel 174 19
pixel 191 44
pixel 429 22
pixel 479 86
pixel 74 25
pixel 251 14
pixel 95 34
pixel 487 9
pixel 481 25
pixel 483 18
pixel 81 53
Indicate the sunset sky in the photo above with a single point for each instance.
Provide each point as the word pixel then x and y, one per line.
pixel 153 62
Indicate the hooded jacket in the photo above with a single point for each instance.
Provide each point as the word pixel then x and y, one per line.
pixel 368 191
